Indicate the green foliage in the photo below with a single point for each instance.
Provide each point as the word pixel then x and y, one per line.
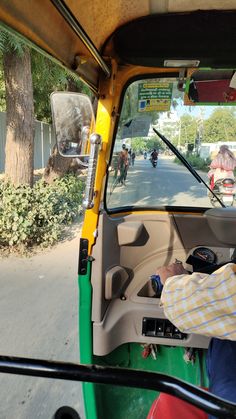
pixel 48 76
pixel 155 142
pixel 188 129
pixel 140 144
pixel 196 162
pixel 220 126
pixel 36 216
pixel 11 43
pixel 8 43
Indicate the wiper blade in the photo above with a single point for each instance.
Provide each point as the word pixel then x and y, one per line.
pixel 186 163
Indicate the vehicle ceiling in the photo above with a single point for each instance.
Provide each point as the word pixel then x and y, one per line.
pixel 41 22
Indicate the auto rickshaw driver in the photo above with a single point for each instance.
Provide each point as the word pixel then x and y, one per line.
pixel 204 312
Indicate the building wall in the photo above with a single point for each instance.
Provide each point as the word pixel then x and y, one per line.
pixel 44 140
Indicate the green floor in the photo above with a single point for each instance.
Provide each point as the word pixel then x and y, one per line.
pixel 115 402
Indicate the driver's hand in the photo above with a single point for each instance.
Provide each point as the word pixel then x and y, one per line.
pixel 167 271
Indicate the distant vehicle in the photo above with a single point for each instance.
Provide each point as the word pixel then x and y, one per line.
pixel 154 162
pixel 209 150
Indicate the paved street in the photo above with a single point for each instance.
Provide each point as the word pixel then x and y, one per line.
pixel 167 184
pixel 38 318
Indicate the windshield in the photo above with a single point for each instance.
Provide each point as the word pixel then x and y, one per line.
pixel 145 173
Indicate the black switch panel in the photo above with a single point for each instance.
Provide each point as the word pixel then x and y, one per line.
pixel 161 328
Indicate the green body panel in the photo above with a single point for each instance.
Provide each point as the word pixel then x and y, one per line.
pixel 85 339
pixel 105 401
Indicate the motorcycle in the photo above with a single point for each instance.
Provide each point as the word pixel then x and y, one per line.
pixel 154 162
pixel 225 189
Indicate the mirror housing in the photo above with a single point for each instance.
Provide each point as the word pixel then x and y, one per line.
pixel 73 121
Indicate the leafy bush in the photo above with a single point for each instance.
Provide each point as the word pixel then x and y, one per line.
pixel 37 215
pixel 197 162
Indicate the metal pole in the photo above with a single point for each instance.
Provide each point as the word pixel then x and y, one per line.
pixel 95 141
pixel 77 28
pixel 120 377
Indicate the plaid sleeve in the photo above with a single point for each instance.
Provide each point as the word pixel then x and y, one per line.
pixel 203 304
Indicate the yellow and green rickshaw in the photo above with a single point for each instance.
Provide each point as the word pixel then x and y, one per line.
pixel 160 71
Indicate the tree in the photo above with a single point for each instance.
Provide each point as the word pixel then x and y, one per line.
pixel 48 76
pixel 19 110
pixel 220 126
pixel 155 142
pixel 139 144
pixel 188 129
pixel 30 78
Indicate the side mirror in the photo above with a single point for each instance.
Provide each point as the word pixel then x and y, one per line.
pixel 74 122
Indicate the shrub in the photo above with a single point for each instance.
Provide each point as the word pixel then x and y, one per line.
pixel 30 216
pixel 196 162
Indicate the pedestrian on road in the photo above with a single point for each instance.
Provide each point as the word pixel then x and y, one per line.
pixel 133 158
pixel 123 163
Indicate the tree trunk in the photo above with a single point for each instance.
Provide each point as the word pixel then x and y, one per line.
pixel 58 166
pixel 19 148
pixel 71 85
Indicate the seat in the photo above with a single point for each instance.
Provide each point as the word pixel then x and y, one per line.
pixel 170 407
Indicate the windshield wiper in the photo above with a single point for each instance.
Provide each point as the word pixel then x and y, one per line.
pixel 186 163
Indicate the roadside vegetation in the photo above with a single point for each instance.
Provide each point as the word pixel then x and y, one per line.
pixel 38 215
pixel 33 213
pixel 196 162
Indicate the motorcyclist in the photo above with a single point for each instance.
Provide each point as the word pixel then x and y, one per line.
pixel 222 166
pixel 154 154
pixel 154 157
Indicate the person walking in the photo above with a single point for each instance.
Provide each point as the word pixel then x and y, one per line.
pixel 132 158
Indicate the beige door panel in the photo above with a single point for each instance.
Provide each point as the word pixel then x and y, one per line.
pixel 155 237
pixel 128 250
pixel 195 231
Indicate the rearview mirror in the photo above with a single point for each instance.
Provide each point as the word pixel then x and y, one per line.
pixel 213 87
pixel 73 120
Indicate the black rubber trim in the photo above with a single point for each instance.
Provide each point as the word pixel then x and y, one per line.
pixel 83 257
pixel 208 36
pixel 173 210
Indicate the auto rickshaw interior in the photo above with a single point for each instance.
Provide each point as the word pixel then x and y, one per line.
pixel 130 230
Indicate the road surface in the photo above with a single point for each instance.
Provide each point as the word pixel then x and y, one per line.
pixel 167 184
pixel 38 319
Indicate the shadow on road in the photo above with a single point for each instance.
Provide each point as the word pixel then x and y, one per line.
pixel 167 184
